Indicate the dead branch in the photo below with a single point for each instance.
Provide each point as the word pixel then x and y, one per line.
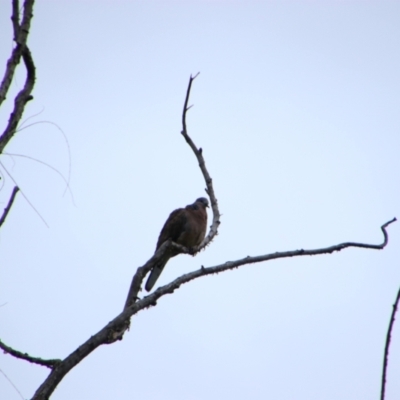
pixel 387 345
pixel 21 33
pixel 199 155
pixel 112 331
pixel 27 357
pixel 116 328
pixel 9 205
pixel 21 50
pixel 229 265
pixel 142 271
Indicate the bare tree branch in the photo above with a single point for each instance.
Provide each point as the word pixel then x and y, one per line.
pixel 142 271
pixel 21 33
pixel 171 287
pixel 199 155
pixel 112 331
pixel 9 205
pixel 387 345
pixel 20 100
pixel 27 357
pixel 116 328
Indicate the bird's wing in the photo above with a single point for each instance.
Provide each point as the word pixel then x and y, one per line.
pixel 173 227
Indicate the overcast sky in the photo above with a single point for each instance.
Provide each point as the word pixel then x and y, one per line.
pixel 297 110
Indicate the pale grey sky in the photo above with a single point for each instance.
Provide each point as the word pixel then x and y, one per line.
pixel 297 110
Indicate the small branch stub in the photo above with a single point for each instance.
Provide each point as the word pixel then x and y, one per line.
pixel 9 205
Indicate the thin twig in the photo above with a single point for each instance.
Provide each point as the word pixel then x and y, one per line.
pixel 12 384
pixel 67 187
pixel 387 345
pixel 9 205
pixel 21 128
pixel 24 195
pixel 24 356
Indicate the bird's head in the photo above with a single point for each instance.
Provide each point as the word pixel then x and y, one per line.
pixel 203 201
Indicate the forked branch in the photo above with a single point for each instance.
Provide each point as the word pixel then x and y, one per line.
pixel 116 328
pixel 21 33
pixel 21 50
pixel 112 331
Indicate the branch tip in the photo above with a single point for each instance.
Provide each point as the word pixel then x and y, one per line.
pixel 25 356
pixel 388 223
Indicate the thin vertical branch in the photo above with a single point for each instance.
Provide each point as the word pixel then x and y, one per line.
pixel 199 155
pixel 21 99
pixel 9 205
pixel 387 345
pixel 21 33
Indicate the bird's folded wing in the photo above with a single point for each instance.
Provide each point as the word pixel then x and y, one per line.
pixel 173 227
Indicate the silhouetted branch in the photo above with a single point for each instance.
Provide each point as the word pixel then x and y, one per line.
pixel 387 345
pixel 114 329
pixel 27 357
pixel 171 287
pixel 9 205
pixel 21 35
pixel 199 155
pixel 142 271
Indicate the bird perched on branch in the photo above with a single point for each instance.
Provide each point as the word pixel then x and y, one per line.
pixel 185 226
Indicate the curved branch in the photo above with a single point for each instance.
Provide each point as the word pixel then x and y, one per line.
pixel 20 36
pixel 142 271
pixel 9 205
pixel 171 287
pixel 387 345
pixel 114 330
pixel 198 152
pixel 24 356
pixel 20 100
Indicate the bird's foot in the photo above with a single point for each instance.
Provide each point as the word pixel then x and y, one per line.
pixel 192 251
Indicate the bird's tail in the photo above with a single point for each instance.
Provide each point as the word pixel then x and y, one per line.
pixel 155 274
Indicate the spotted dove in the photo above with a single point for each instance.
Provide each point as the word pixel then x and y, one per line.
pixel 185 226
